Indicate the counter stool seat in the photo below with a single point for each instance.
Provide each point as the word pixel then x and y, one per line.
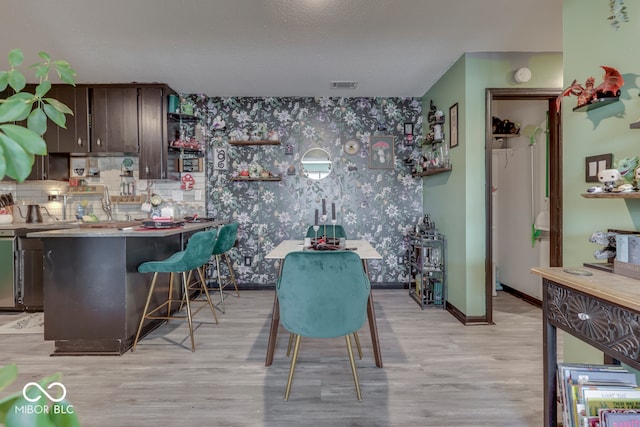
pixel 196 254
pixel 226 239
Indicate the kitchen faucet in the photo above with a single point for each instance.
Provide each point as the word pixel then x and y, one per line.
pixel 106 203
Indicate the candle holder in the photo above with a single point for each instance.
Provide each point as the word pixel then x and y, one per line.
pixel 334 222
pixel 315 229
pixel 323 219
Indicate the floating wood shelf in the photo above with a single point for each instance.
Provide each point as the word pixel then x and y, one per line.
pixel 635 125
pixel 86 189
pixel 259 142
pixel 433 171
pixel 601 102
pixel 183 117
pixel 628 195
pixel 506 135
pixel 271 178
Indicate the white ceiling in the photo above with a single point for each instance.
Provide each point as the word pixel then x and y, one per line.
pixel 276 47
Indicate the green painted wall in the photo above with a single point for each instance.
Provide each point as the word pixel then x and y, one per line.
pixel 589 41
pixel 456 199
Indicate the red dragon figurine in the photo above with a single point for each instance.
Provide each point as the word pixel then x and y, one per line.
pixel 612 82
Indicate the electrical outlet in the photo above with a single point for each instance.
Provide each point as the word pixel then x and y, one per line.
pixel 247 261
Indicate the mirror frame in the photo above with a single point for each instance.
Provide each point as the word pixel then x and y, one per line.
pixel 318 158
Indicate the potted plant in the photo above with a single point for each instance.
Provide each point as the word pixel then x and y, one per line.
pixel 29 407
pixel 19 143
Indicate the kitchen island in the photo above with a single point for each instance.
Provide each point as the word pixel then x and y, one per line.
pixel 93 294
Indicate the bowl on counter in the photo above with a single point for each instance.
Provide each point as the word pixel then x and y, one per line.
pixel 6 218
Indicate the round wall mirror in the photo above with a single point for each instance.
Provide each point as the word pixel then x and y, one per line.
pixel 316 163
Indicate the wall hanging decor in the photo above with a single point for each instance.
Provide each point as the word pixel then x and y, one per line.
pixel 381 152
pixel 453 125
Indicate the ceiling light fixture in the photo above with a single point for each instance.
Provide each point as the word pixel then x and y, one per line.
pixel 343 85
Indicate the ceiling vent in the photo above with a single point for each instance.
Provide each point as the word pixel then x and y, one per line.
pixel 344 85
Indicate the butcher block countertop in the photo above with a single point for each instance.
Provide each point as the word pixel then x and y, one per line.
pixel 123 229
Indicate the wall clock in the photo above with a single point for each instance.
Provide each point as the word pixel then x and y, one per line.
pixel 351 147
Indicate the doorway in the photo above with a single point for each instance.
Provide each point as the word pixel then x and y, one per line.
pixel 553 179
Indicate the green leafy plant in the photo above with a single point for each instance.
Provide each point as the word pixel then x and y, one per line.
pixel 20 141
pixel 17 411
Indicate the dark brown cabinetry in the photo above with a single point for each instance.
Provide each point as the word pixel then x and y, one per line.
pixel 75 138
pixel 153 131
pixel 114 119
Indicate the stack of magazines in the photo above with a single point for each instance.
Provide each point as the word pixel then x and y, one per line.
pixel 598 395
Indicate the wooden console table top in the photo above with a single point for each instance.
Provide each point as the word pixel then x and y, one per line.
pixel 610 287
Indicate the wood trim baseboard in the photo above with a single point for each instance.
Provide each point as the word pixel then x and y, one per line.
pixel 464 319
pixel 526 298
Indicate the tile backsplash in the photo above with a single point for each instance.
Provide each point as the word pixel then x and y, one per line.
pixel 109 174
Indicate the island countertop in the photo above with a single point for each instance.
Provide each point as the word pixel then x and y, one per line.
pixel 136 231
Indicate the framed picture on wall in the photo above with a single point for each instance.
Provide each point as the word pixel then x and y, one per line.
pixel 453 125
pixel 381 152
pixel 594 164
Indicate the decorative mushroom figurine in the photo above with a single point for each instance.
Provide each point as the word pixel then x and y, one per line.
pixel 380 147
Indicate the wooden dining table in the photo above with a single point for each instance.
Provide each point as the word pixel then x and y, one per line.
pixel 366 252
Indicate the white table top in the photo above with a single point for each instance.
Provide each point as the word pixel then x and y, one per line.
pixel 363 249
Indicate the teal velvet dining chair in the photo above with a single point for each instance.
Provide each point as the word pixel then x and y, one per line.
pixel 322 294
pixel 195 255
pixel 227 236
pixel 339 231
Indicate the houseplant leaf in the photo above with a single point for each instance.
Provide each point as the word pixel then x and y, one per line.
pixel 56 116
pixel 58 105
pixel 37 121
pixel 29 140
pixel 8 374
pixel 16 58
pixel 63 415
pixel 20 162
pixel 14 109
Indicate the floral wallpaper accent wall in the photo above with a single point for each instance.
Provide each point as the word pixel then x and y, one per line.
pixel 372 204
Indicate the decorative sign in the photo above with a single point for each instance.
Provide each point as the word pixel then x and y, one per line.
pixel 220 159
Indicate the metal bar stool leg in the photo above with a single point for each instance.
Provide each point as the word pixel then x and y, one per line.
pixel 203 284
pixel 189 320
pixel 144 313
pixel 233 277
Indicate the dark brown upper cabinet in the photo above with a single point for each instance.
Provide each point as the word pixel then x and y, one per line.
pixel 114 119
pixel 153 131
pixel 75 138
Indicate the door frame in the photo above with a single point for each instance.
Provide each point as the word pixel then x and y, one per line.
pixel 555 178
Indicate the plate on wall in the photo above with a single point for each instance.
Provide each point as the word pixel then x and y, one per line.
pixel 351 146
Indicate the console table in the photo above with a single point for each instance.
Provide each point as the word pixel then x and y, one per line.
pixel 601 309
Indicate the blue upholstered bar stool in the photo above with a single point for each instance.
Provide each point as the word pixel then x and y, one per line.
pixel 322 294
pixel 227 236
pixel 196 254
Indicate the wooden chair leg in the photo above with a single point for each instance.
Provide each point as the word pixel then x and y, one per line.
pixel 292 368
pixel 144 313
pixel 353 367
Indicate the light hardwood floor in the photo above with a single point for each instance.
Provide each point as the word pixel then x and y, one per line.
pixel 437 372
